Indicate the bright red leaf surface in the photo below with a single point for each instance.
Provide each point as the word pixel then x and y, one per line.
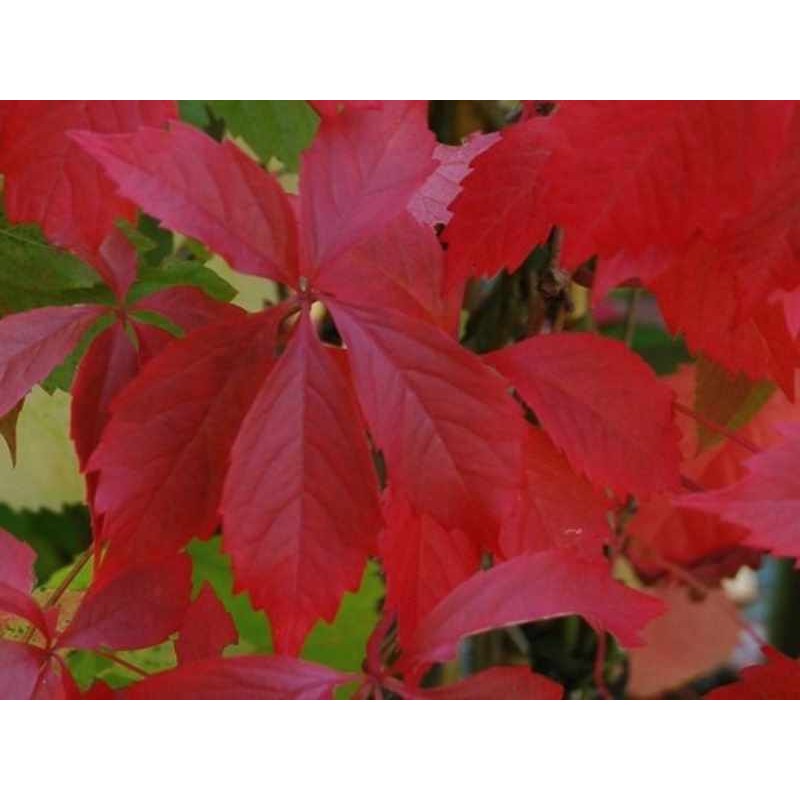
pixel 161 475
pixel 498 683
pixel 360 172
pixel 766 501
pixel 51 181
pixel 556 507
pixel 213 192
pixel 207 628
pixel 137 607
pixel 241 678
pixel 618 177
pixel 300 504
pixel 423 561
pixel 34 343
pixel 777 679
pixel 601 404
pixel 530 587
pixel 449 431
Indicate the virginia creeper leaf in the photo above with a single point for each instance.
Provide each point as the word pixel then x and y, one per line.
pixel 423 561
pixel 530 587
pixel 777 679
pixel 19 670
pixel 51 181
pixel 33 342
pixel 16 563
pixel 161 475
pixel 556 508
pixel 360 172
pixel 601 404
pixel 136 607
pixel 212 192
pixel 766 501
pixel 498 683
pixel 431 202
pixel 206 630
pixel 110 363
pixel 691 639
pixel 449 431
pixel 300 504
pixel 241 678
pixel 401 267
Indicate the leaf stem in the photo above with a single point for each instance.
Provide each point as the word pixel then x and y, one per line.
pixel 107 654
pixel 62 587
pixel 630 317
pixel 716 428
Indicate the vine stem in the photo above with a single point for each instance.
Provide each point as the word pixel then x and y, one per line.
pixel 123 663
pixel 630 317
pixel 62 587
pixel 713 426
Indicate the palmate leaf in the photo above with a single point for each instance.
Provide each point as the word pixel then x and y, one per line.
pixel 300 505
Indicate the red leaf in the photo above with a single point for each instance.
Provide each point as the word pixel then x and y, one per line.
pixel 16 563
pixel 430 204
pixel 330 108
pixel 163 457
pixel 778 679
pixel 189 308
pixel 662 534
pixel 423 562
pixel 766 501
pixel 20 604
pixel 20 665
pixel 496 219
pixel 50 181
pixel 690 640
pixel 556 508
pixel 116 262
pixel 401 267
pixel 701 301
pixel 618 176
pixel 360 172
pixel 206 630
pixel 498 683
pixel 136 607
pixel 530 587
pixel 241 678
pixel 300 504
pixel 212 192
pixel 108 366
pixel 601 404
pixel 34 342
pixel 449 431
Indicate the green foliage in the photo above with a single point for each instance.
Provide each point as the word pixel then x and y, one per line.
pixel 57 537
pixel 279 128
pixel 340 644
pixel 34 274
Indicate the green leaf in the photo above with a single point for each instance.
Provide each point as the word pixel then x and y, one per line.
pixel 342 644
pixel 34 274
pixel 730 401
pixel 56 536
pixel 195 112
pixel 279 128
pixel 177 271
pixel 212 565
